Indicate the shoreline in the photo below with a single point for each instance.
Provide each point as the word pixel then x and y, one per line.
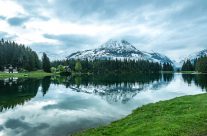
pixel 184 116
pixel 40 73
pixel 33 74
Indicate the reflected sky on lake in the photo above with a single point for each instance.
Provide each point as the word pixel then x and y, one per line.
pixel 62 107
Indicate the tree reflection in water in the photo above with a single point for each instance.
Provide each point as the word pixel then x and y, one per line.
pixel 15 91
pixel 112 88
pixel 198 79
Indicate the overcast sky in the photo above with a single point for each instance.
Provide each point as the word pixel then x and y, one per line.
pixel 175 28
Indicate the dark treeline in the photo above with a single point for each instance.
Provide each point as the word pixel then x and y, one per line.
pixel 115 66
pixel 199 65
pixel 167 67
pixel 63 62
pixel 188 65
pixel 18 56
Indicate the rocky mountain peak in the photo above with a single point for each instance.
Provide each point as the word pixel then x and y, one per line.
pixel 121 50
pixel 118 44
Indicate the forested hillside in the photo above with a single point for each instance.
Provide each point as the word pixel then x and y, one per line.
pixel 18 56
pixel 198 64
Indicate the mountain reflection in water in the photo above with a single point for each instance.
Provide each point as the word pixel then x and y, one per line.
pixel 64 105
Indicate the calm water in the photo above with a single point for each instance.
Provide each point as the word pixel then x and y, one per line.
pixel 60 106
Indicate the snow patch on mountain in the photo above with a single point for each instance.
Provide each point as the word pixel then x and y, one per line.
pixel 195 55
pixel 120 50
pixel 198 55
pixel 122 45
pixel 122 93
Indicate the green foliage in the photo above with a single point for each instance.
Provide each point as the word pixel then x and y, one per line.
pixel 187 66
pixel 61 68
pixel 201 65
pixel 45 63
pixel 53 69
pixel 184 116
pixel 111 66
pixel 33 74
pixel 18 56
pixel 78 66
pixel 115 66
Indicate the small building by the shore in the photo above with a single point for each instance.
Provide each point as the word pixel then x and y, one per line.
pixel 10 69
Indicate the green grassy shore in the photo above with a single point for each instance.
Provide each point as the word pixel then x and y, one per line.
pixel 34 74
pixel 183 116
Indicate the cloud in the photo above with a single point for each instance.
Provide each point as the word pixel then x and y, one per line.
pixel 62 27
pixel 1 128
pixel 71 39
pixel 17 21
pixel 105 10
pixel 10 8
pixel 66 44
pixel 16 124
pixel 2 17
pixel 72 104
pixel 52 51
pixel 2 34
pixel 6 36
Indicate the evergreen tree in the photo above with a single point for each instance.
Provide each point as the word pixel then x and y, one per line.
pixel 187 66
pixel 18 56
pixel 167 67
pixel 45 63
pixel 61 68
pixel 201 65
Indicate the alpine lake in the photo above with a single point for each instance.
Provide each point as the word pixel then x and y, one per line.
pixel 53 106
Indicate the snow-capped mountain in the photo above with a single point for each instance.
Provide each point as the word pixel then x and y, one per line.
pixel 197 55
pixel 194 56
pixel 120 50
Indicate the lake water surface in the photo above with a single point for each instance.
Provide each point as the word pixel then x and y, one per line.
pixel 56 106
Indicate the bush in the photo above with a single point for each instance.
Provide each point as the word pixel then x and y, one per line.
pixel 53 69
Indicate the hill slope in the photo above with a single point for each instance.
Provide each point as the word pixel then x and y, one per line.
pixel 184 116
